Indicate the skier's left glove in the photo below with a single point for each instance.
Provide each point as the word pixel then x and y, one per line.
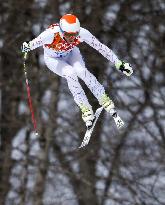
pixel 25 47
pixel 124 67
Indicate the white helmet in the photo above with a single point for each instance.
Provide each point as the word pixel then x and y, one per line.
pixel 69 23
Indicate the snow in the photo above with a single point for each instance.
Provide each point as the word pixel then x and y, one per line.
pixel 46 97
pixel 15 181
pixel 59 191
pixel 35 148
pixel 102 169
pixel 12 195
pixel 64 7
pixel 162 28
pixel 17 155
pixel 41 3
pixel 36 29
pixel 44 116
pixel 31 181
pixel 19 138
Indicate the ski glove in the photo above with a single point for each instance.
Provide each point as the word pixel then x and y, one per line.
pixel 25 47
pixel 124 67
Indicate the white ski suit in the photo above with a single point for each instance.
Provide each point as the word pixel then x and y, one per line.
pixel 65 60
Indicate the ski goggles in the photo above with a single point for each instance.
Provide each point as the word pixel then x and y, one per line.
pixel 69 34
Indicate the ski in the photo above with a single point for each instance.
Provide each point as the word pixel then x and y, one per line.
pixel 88 133
pixel 118 121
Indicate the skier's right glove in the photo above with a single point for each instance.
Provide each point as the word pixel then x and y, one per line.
pixel 124 67
pixel 25 47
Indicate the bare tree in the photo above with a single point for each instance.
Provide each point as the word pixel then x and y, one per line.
pixel 11 122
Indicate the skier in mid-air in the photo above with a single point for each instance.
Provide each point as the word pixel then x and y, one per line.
pixel 63 57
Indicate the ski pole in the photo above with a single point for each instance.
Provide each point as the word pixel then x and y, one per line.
pixel 29 95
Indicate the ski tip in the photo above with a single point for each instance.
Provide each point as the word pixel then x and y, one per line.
pixel 81 146
pixel 120 126
pixel 119 122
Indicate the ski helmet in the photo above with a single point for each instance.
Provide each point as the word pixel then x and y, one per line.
pixel 69 23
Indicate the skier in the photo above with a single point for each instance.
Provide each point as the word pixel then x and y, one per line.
pixel 63 57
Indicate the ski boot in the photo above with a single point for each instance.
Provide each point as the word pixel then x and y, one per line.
pixel 87 116
pixel 108 105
